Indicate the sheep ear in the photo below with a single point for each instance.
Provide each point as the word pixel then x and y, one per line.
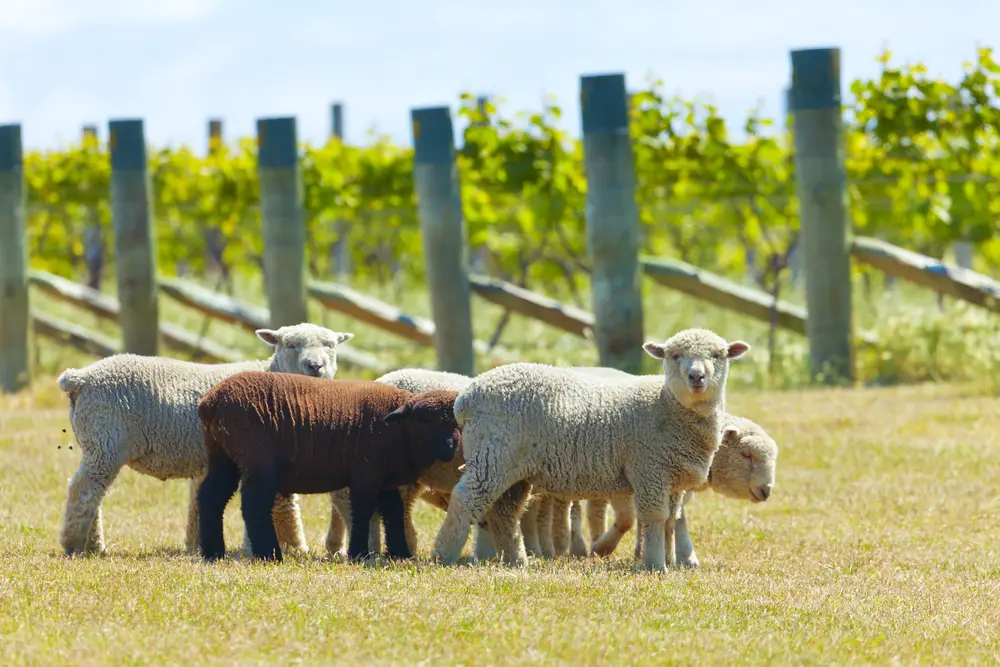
pixel 269 336
pixel 731 435
pixel 737 349
pixel 655 350
pixel 341 337
pixel 398 413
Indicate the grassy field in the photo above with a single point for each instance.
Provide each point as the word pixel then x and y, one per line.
pixel 879 544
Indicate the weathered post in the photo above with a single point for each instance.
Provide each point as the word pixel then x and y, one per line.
pixel 822 188
pixel 135 239
pixel 93 235
pixel 963 252
pixel 15 359
pixel 340 253
pixel 337 120
pixel 613 235
pixel 283 220
pixel 214 134
pixel 795 255
pixel 445 242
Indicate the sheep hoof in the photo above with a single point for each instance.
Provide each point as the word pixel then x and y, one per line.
pixel 690 563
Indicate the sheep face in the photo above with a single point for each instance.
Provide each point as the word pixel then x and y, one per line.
pixel 430 424
pixel 744 465
pixel 305 349
pixel 696 363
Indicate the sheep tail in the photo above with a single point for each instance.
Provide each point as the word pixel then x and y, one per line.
pixel 72 380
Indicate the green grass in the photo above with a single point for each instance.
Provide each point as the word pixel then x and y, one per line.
pixel 878 545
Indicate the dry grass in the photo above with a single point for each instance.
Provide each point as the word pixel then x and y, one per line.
pixel 880 544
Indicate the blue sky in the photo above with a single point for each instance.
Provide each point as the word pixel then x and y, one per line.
pixel 175 63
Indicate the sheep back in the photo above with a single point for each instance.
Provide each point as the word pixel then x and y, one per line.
pixel 571 432
pixel 316 435
pixel 151 400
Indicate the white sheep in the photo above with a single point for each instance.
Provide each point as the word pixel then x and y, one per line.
pixel 743 468
pixel 574 435
pixel 141 412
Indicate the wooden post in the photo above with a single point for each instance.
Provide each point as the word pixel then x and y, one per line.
pixel 93 235
pixel 962 251
pixel 613 233
pixel 15 359
pixel 283 220
pixel 337 120
pixel 795 256
pixel 214 134
pixel 822 187
pixel 340 252
pixel 481 102
pixel 445 242
pixel 135 239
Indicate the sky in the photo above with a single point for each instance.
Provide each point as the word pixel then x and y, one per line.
pixel 176 63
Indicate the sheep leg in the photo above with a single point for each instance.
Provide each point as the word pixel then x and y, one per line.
pixel 390 506
pixel 257 500
pixel 686 556
pixel 341 503
pixel 485 546
pixel 560 526
pixel 529 527
pixel 544 523
pixel 191 538
pixel 213 494
pixel 363 505
pixel 86 490
pixel 338 526
pixel 653 505
pixel 95 541
pixel 624 519
pixel 474 494
pixel 409 493
pixel 674 507
pixel 287 517
pixel 504 519
pixel 596 518
pixel 577 547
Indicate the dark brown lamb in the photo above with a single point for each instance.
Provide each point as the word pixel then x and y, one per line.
pixel 284 433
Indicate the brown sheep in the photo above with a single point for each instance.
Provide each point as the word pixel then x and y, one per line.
pixel 283 433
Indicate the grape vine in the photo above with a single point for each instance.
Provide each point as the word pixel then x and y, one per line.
pixel 922 158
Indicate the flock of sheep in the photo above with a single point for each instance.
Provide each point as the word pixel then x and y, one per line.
pixel 512 452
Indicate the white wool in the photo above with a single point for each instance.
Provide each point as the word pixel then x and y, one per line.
pixel 576 435
pixel 141 412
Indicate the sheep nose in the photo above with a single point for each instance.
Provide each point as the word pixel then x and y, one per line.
pixel 765 491
pixel 696 376
pixel 313 368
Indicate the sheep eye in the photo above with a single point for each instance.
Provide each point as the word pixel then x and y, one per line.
pixel 748 455
pixel 676 356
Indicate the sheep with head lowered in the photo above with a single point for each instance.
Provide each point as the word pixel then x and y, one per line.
pixel 743 468
pixel 278 433
pixel 573 435
pixel 141 412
